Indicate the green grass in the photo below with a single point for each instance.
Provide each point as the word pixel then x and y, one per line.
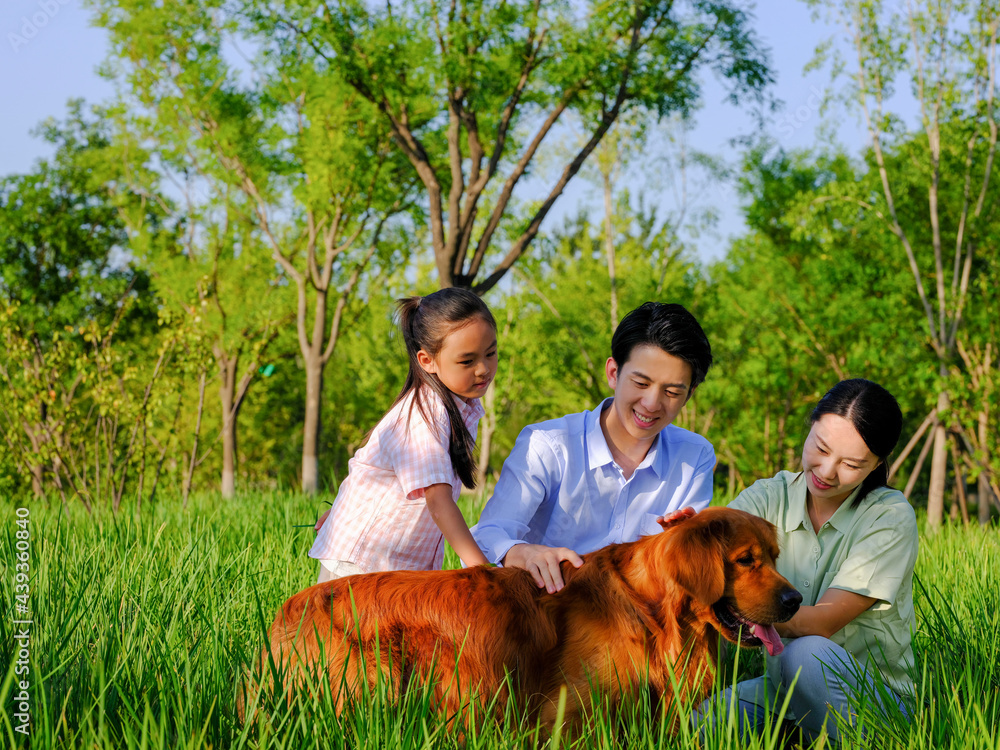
pixel 141 628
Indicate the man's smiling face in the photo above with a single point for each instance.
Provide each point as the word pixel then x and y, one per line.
pixel 650 389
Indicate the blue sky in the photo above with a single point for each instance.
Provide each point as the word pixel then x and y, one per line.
pixel 49 54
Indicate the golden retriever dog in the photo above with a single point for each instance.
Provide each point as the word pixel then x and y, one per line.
pixel 628 619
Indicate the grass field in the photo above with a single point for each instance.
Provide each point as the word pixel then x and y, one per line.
pixel 140 628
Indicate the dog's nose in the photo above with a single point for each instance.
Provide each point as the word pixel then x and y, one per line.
pixel 790 601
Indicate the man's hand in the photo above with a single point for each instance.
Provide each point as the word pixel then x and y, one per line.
pixel 542 562
pixel 321 521
pixel 675 518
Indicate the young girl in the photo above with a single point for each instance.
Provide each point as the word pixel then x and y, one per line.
pixel 399 495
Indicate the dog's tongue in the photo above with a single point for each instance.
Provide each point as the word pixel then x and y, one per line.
pixel 769 636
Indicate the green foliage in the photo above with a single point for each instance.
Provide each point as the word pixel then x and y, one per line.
pixel 975 382
pixel 278 142
pixel 962 304
pixel 266 162
pixel 947 54
pixel 79 412
pixel 61 237
pixel 289 190
pixel 76 323
pixel 470 90
pixel 799 304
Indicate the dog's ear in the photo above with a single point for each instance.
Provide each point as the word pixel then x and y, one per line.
pixel 695 558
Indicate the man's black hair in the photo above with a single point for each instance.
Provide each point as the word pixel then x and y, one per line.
pixel 667 326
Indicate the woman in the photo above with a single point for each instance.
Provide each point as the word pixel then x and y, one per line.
pixel 848 544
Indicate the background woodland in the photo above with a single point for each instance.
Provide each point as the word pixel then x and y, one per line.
pixel 196 291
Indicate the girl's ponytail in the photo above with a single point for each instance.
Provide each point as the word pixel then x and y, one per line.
pixel 406 310
pixel 424 323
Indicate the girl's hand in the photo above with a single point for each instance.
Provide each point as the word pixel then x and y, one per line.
pixel 321 521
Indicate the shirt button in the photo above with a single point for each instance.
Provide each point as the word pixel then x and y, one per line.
pixel 815 550
pixel 806 584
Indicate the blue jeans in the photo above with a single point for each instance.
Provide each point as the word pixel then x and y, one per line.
pixel 826 679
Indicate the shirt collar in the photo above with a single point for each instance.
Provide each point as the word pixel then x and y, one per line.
pixel 599 454
pixel 469 409
pixel 796 503
pixel 797 515
pixel 842 519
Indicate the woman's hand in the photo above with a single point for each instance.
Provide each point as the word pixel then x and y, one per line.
pixel 668 522
pixel 832 612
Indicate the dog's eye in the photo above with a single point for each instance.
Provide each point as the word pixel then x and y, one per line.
pixel 745 560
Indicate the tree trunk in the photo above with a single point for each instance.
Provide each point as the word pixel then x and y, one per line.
pixel 911 482
pixel 186 478
pixel 960 499
pixel 985 491
pixel 36 467
pixel 311 430
pixel 609 247
pixel 767 439
pixel 142 466
pixel 36 480
pixel 939 467
pixel 189 473
pixel 227 392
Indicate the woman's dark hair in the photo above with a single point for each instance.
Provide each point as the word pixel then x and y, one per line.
pixel 671 328
pixel 876 416
pixel 425 322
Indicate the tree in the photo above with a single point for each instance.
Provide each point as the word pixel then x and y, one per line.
pixel 297 154
pixel 976 385
pixel 471 91
pixel 947 53
pixel 806 299
pixel 657 156
pixel 228 289
pixel 65 284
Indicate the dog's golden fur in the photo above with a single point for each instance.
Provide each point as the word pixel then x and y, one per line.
pixel 628 618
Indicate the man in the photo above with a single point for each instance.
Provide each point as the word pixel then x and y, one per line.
pixel 575 484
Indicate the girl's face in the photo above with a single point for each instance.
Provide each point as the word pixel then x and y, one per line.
pixel 467 361
pixel 835 459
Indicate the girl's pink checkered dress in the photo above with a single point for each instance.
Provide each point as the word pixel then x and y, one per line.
pixel 380 520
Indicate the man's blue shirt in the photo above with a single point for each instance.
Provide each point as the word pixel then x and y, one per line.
pixel 560 487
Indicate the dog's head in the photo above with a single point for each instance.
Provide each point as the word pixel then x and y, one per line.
pixel 725 560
